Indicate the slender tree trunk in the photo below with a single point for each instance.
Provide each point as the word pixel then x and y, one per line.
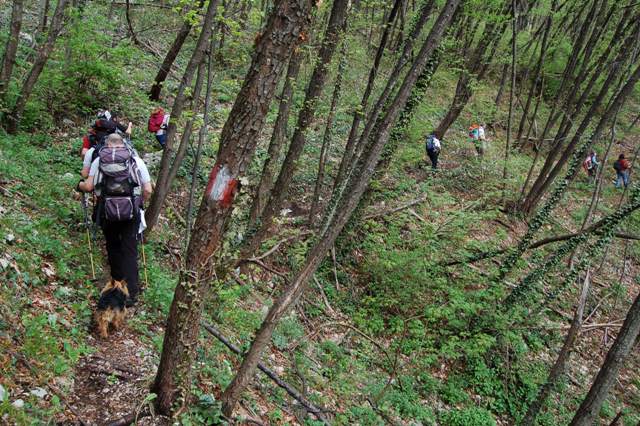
pixel 357 184
pixel 545 180
pixel 358 114
pixel 164 180
pixel 284 30
pixel 44 16
pixel 305 118
pixel 559 366
pixel 326 139
pixel 202 135
pixel 503 81
pixel 11 49
pixel 512 92
pixel 278 138
pixel 132 33
pixel 590 407
pixel 172 54
pixel 57 22
pixel 536 75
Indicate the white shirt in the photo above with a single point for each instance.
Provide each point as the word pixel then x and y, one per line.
pixel 165 123
pixel 144 172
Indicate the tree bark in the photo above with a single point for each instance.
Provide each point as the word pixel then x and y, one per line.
pixel 285 29
pixel 550 171
pixel 164 179
pixel 11 49
pixel 361 109
pixel 356 186
pixel 326 139
pixel 512 92
pixel 277 142
pixel 559 366
pixel 305 118
pixel 57 22
pixel 172 54
pixel 590 407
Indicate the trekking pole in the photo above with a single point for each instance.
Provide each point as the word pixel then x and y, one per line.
pixel 144 261
pixel 86 227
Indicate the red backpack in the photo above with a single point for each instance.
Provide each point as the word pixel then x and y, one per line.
pixel 155 121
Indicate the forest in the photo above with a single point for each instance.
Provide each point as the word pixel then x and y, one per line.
pixel 320 212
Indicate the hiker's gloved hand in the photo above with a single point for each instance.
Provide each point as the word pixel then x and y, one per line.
pixel 78 186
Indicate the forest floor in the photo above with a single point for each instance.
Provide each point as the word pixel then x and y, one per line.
pixel 360 343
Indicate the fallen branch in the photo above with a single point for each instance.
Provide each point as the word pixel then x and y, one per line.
pixel 311 408
pixel 540 243
pixel 396 209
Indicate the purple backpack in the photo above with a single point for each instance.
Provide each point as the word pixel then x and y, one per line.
pixel 118 182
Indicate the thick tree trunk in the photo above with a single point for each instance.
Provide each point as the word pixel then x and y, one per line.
pixel 277 142
pixel 57 22
pixel 164 180
pixel 326 138
pixel 356 186
pixel 285 28
pixel 305 118
pixel 590 407
pixel 11 49
pixel 172 54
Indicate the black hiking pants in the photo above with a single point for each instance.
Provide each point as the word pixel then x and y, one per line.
pixel 122 251
pixel 433 156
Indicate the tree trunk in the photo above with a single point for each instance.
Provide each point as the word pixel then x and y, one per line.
pixel 559 366
pixel 44 16
pixel 361 109
pixel 549 173
pixel 202 135
pixel 285 29
pixel 512 92
pixel 57 22
pixel 503 81
pixel 536 75
pixel 11 49
pixel 305 118
pixel 278 137
pixel 172 54
pixel 326 139
pixel 356 186
pixel 164 181
pixel 590 407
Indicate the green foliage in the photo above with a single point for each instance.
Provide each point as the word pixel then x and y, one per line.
pixel 472 416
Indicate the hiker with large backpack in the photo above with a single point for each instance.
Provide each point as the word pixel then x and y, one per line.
pixel 158 124
pixel 105 124
pixel 433 146
pixel 122 183
pixel 590 165
pixel 622 166
pixel 478 138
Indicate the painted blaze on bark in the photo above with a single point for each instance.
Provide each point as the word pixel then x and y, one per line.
pixel 283 32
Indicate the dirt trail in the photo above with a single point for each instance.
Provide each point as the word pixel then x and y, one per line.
pixel 113 381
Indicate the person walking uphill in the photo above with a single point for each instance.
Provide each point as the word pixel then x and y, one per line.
pixel 158 124
pixel 590 165
pixel 433 146
pixel 622 166
pixel 122 183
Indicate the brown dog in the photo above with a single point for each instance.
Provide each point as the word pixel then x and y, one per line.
pixel 111 307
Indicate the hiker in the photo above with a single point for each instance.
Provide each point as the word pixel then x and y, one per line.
pixel 106 123
pixel 478 138
pixel 122 183
pixel 622 166
pixel 92 153
pixel 158 124
pixel 433 149
pixel 590 165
